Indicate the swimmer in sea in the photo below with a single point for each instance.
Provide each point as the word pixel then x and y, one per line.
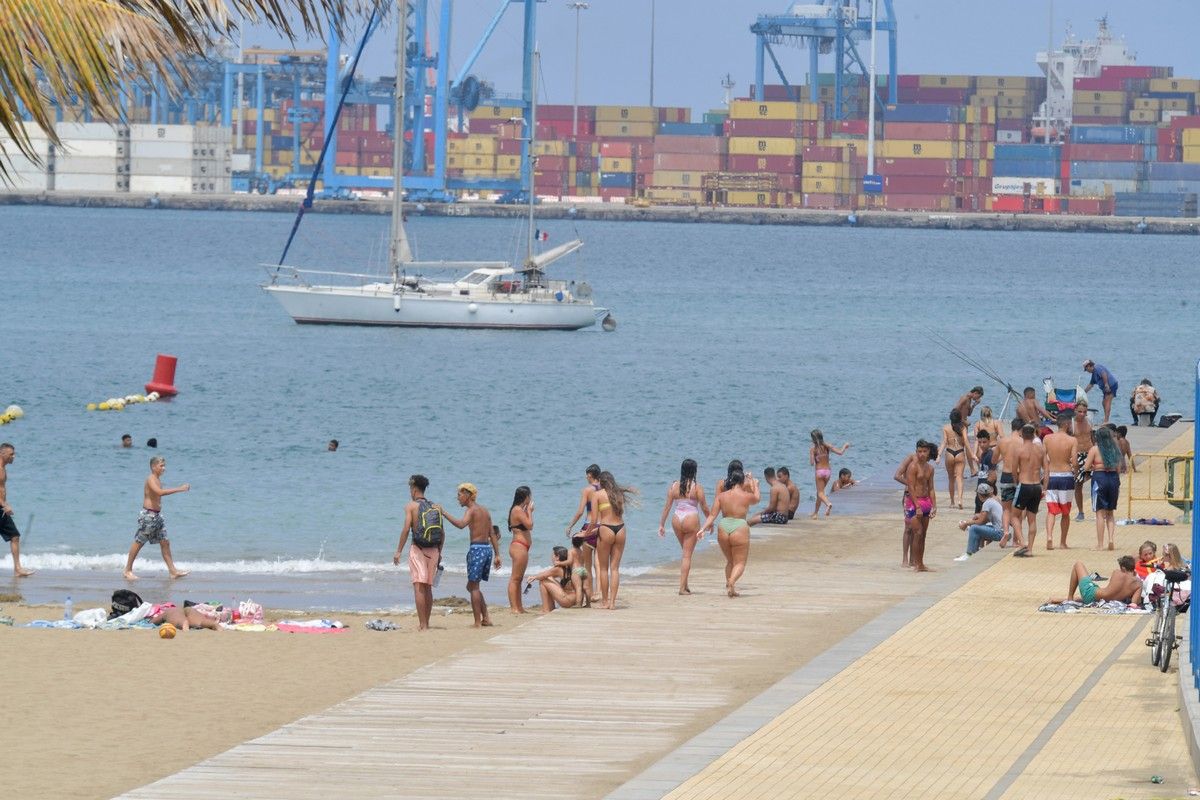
pixel 687 498
pixel 845 480
pixel 818 456
pixel 733 533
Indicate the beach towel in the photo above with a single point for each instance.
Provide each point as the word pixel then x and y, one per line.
pixel 1099 607
pixel 311 626
pixel 247 627
pixel 65 624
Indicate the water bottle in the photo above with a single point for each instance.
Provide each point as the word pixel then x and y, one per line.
pixel 69 609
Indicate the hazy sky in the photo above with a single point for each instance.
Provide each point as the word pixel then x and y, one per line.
pixel 698 41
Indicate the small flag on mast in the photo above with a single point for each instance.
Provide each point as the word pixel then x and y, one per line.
pixel 541 236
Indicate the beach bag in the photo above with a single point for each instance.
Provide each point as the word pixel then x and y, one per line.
pixel 123 601
pixel 250 612
pixel 428 532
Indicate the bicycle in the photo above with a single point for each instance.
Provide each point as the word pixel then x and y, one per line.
pixel 1163 641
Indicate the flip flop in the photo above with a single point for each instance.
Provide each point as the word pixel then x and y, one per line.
pixel 1022 553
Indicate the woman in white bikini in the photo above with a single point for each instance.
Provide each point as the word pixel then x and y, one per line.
pixel 954 449
pixel 687 497
pixel 608 514
pixel 818 456
pixel 733 532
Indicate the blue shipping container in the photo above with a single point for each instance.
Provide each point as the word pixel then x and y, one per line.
pixel 1173 187
pixel 1118 170
pixel 924 112
pixel 1026 168
pixel 1028 152
pixel 583 178
pixel 689 129
pixel 616 180
pixel 1166 170
pixel 1114 134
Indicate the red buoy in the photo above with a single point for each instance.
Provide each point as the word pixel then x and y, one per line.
pixel 163 381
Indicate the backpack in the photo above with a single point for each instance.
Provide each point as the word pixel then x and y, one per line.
pixel 123 601
pixel 428 531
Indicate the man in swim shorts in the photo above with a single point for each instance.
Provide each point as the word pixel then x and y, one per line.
pixel 1028 468
pixel 1124 585
pixel 422 561
pixel 1105 380
pixel 483 552
pixel 966 404
pixel 1029 410
pixel 784 475
pixel 920 503
pixel 151 529
pixel 1060 481
pixel 776 512
pixel 1006 454
pixel 8 527
pixel 1081 429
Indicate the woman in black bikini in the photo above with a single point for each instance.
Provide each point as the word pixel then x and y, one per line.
pixel 554 583
pixel 520 525
pixel 954 448
pixel 608 512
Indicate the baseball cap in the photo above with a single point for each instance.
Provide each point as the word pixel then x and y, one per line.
pixel 985 489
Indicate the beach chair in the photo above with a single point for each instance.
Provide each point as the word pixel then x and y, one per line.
pixel 1058 400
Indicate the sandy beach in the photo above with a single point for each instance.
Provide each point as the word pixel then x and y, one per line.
pixel 190 698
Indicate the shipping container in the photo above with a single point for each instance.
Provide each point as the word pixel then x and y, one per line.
pixel 1113 134
pixel 1029 185
pixel 754 109
pixel 1100 187
pixel 644 130
pixel 1048 168
pixel 95 166
pixel 783 165
pixel 764 146
pixel 1107 152
pixel 87 182
pixel 91 130
pixel 659 194
pixel 689 129
pixel 1144 204
pixel 1119 170
pixel 904 148
pixel 1189 85
pixel 637 114
pixel 922 113
pixel 707 145
pixel 692 162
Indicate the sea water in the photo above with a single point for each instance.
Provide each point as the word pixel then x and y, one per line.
pixel 733 341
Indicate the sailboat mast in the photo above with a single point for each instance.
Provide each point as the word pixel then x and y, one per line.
pixel 537 64
pixel 399 251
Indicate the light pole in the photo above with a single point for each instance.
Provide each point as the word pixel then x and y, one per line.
pixel 651 52
pixel 577 6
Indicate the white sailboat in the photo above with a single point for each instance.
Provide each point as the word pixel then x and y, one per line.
pixel 494 294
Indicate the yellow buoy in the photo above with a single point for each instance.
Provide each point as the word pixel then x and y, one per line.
pixel 104 406
pixel 91 406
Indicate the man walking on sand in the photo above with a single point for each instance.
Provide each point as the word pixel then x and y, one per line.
pixel 776 512
pixel 1105 380
pixel 1081 429
pixel 8 527
pixel 423 519
pixel 151 528
pixel 483 552
pixel 1060 481
pixel 1029 469
pixel 1007 452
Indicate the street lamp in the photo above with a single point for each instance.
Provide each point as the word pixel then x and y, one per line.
pixel 577 6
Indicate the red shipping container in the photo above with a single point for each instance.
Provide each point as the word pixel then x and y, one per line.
pixel 915 202
pixel 1094 120
pixel 644 165
pixel 812 200
pixel 938 95
pixel 614 193
pixel 772 128
pixel 700 145
pixel 1106 152
pixel 508 147
pixel 1011 124
pixel 1168 141
pixel 553 163
pixel 938 131
pixel 788 183
pixel 611 149
pixel 819 153
pixel 917 184
pixel 853 127
pixel 789 165
pixel 1135 71
pixel 916 166
pixel 1104 83
pixel 908 81
pixel 777 91
pixel 689 162
pixel 1094 206
pixel 1179 123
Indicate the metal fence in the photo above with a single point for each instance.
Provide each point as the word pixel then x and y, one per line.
pixel 1161 488
pixel 1194 617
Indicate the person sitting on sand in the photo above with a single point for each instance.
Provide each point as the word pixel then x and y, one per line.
pixel 555 582
pixel 1123 585
pixel 151 528
pixel 845 480
pixel 777 502
pixel 1147 559
pixel 784 476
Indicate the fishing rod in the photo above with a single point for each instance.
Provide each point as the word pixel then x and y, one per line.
pixel 975 361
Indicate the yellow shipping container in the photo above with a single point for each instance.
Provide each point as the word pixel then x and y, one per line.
pixel 1020 94
pixel 749 146
pixel 662 194
pixel 982 115
pixel 616 165
pixel 479 173
pixel 1174 85
pixel 1143 116
pixel 550 148
pixel 1175 104
pixel 1098 110
pixel 469 161
pixel 1100 98
pixel 827 186
pixel 944 81
pixel 1147 103
pixel 376 172
pixel 1191 137
pixel 774 109
pixel 508 163
pixel 914 148
pixel 1005 82
pixel 1019 102
pixel 825 169
pixel 676 178
pixel 754 198
pixel 637 129
pixel 494 112
pixel 1192 154
pixel 626 114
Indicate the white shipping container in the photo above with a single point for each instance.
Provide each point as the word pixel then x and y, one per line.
pixel 174 167
pixel 1006 185
pixel 90 166
pixel 166 184
pixel 1008 137
pixel 93 148
pixel 89 130
pixel 163 133
pixel 26 181
pixel 1171 114
pixel 40 145
pixel 240 162
pixel 80 182
pixel 157 149
pixel 1100 187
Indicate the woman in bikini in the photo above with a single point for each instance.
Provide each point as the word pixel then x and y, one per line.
pixel 520 525
pixel 733 533
pixel 554 583
pixel 720 487
pixel 986 423
pixel 954 448
pixel 687 497
pixel 608 514
pixel 818 456
pixel 591 537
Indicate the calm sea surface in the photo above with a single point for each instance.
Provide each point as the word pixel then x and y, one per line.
pixel 733 341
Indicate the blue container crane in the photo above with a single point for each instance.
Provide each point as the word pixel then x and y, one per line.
pixel 827 27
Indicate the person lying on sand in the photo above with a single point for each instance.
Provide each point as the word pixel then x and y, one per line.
pixel 1123 585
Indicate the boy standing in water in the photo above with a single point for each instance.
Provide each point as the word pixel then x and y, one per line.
pixel 151 527
pixel 8 528
pixel 484 549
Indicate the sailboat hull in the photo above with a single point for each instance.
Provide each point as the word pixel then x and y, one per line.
pixel 313 305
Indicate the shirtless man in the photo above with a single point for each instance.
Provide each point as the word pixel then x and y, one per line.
pixel 484 551
pixel 1081 429
pixel 785 477
pixel 1060 480
pixel 920 504
pixel 776 512
pixel 1029 410
pixel 1029 466
pixel 1006 454
pixel 1123 585
pixel 8 528
pixel 151 528
pixel 966 404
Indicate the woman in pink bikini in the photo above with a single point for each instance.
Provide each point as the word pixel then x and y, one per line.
pixel 520 525
pixel 687 496
pixel 818 456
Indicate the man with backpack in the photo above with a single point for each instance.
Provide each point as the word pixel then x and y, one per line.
pixel 484 550
pixel 424 519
